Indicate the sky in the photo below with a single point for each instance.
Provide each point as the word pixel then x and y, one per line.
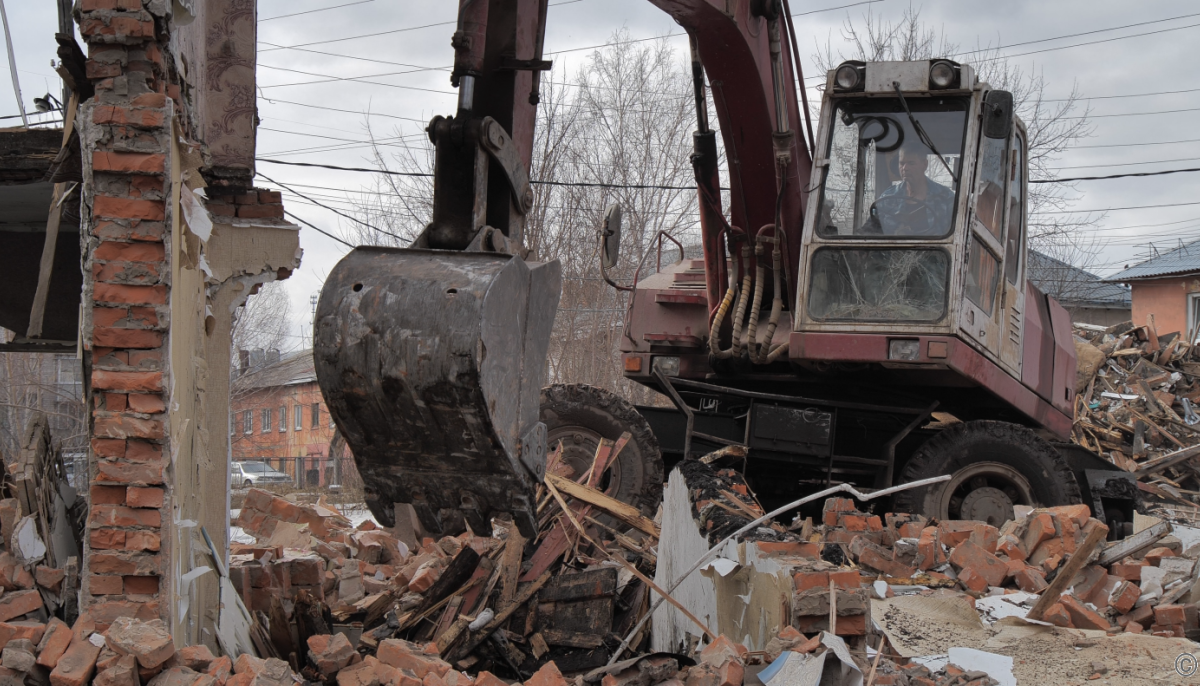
pixel 317 92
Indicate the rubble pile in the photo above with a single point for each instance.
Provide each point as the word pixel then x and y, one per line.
pixel 482 603
pixel 1146 583
pixel 1136 400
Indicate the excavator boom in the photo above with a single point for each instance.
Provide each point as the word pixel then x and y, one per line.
pixel 431 357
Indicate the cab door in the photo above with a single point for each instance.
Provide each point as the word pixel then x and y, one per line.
pixel 1014 257
pixel 980 313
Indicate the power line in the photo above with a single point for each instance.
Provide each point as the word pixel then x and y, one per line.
pixel 1117 209
pixel 572 184
pixel 1136 145
pixel 327 78
pixel 390 32
pixel 334 109
pixel 321 9
pixel 1117 176
pixel 1130 95
pixel 1129 164
pixel 1106 40
pixel 1085 33
pixel 314 227
pixel 1132 114
pixel 337 212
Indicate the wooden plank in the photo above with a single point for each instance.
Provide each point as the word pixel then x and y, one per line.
pixel 625 563
pixel 626 513
pixel 501 617
pixel 510 567
pixel 1066 574
pixel 1168 460
pixel 1142 540
pixel 592 583
pixel 571 639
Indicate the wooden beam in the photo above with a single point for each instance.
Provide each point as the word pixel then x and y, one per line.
pixel 1133 545
pixel 1096 532
pixel 626 513
pixel 1168 460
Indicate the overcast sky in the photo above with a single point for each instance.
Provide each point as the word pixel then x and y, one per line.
pixel 302 63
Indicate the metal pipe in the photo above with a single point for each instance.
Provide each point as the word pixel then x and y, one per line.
pixel 841 488
pixel 12 65
pixel 698 85
pixel 466 93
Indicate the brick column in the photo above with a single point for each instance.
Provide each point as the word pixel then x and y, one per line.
pixel 125 131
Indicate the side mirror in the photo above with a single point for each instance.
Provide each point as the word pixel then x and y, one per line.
pixel 997 114
pixel 610 237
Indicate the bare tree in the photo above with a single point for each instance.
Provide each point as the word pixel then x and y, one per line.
pixel 49 383
pixel 265 321
pixel 1053 125
pixel 616 131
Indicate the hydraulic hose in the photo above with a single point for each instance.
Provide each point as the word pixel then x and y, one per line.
pixel 731 291
pixel 739 313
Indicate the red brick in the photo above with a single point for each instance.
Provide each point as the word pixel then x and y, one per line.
pixel 130 252
pixel 141 585
pixel 144 497
pixel 260 211
pixel 1010 547
pixel 126 426
pixel 107 539
pixel 1031 580
pixel 146 403
pixel 1131 570
pixel 1157 554
pixel 853 522
pixel 107 447
pixel 134 295
pixel 103 584
pixel 403 655
pixel 1124 596
pixel 549 675
pixel 130 162
pixel 54 643
pixel 955 532
pixel 124 564
pixel 1083 617
pixel 125 116
pixel 116 515
pixel 1058 616
pixel 126 338
pixel 139 231
pixel 791 548
pixel 142 540
pixel 1143 615
pixel 138 382
pixel 107 495
pixel 101 70
pixel 141 451
pixel 930 553
pixel 16 603
pixel 49 578
pixel 126 208
pixel 971 555
pixel 1078 514
pixel 115 402
pixel 973 580
pixel 848 579
pixel 809 580
pixel 1041 527
pixel 275 197
pixel 129 472
pixel 76 666
pixel 1169 614
pixel 1134 628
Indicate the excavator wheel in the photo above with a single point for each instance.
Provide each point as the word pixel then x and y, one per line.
pixel 580 415
pixel 994 466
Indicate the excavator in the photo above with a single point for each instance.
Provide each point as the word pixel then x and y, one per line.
pixel 861 311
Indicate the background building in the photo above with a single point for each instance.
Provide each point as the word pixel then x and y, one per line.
pixel 278 416
pixel 1166 287
pixel 1088 298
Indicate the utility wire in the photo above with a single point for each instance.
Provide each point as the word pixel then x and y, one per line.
pixel 337 212
pixel 572 184
pixel 321 9
pixel 1120 176
pixel 1085 33
pixel 314 227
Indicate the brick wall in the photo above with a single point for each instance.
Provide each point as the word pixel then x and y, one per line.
pixel 126 132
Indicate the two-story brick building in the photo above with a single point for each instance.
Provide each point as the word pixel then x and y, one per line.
pixel 279 417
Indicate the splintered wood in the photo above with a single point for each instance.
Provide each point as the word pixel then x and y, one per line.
pixel 1135 404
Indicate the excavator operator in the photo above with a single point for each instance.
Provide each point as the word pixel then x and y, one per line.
pixel 914 206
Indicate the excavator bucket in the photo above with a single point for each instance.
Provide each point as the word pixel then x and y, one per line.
pixel 431 363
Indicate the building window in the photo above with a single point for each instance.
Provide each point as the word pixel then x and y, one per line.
pixel 247 422
pixel 299 416
pixel 316 416
pixel 1193 316
pixel 282 418
pixel 266 420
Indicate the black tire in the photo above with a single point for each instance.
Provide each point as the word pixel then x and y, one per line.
pixel 580 415
pixel 994 465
